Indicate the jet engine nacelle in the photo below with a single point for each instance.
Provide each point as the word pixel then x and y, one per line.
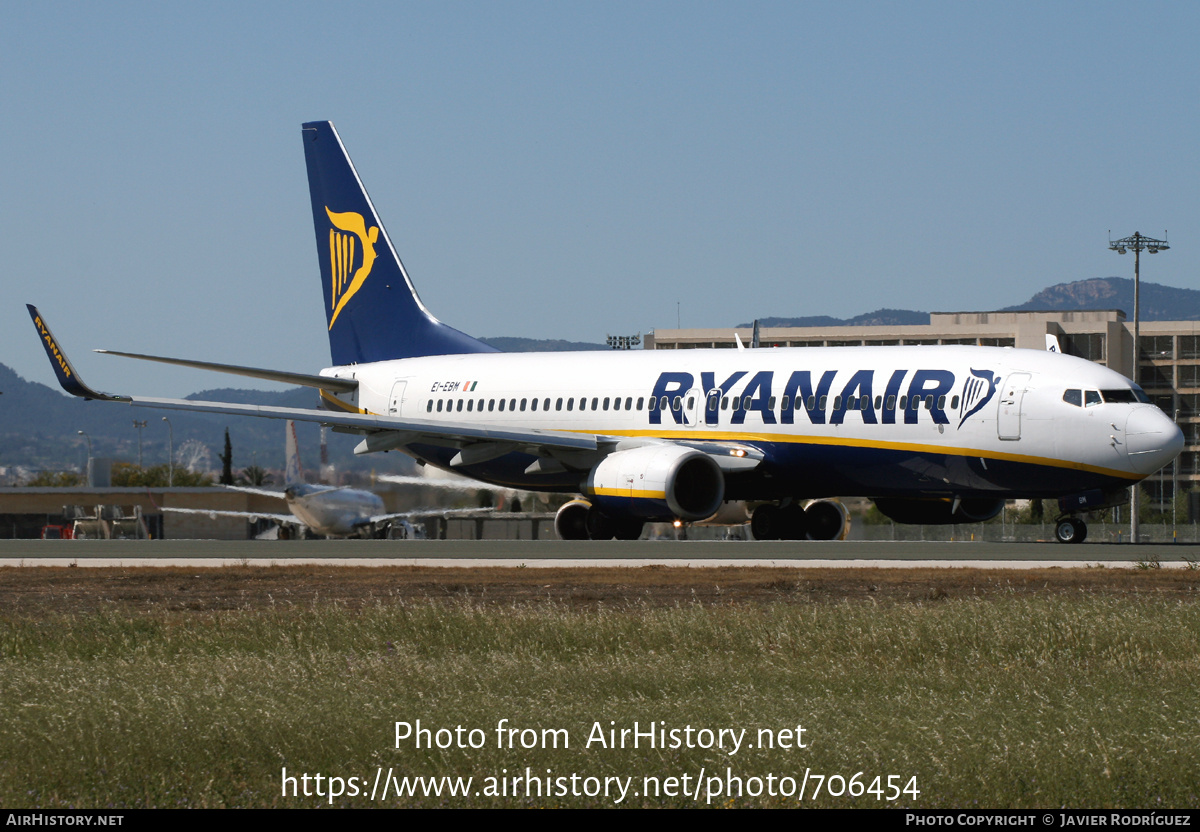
pixel 826 520
pixel 657 482
pixel 939 512
pixel 570 523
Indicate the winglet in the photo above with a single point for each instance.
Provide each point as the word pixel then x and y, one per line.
pixel 67 377
pixel 1052 343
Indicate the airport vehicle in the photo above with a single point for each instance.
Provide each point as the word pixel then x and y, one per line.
pixel 934 434
pixel 326 510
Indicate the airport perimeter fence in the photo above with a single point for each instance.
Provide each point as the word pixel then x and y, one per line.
pixel 1024 533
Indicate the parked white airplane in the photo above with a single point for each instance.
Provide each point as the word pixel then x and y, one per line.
pixel 932 434
pixel 323 509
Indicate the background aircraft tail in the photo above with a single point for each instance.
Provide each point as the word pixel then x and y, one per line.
pixel 372 309
pixel 293 474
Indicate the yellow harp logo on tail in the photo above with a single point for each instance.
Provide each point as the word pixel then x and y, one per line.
pixel 342 251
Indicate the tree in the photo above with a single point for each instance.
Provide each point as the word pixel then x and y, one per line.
pixel 253 475
pixel 55 479
pixel 227 461
pixel 126 474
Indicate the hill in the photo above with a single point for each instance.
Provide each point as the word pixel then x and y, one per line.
pixel 880 317
pixel 1158 302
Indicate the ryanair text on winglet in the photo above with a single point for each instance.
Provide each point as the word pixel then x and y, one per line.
pixel 53 347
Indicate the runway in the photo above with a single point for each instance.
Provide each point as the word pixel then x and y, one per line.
pixel 560 554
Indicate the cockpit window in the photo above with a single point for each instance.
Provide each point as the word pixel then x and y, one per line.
pixel 1140 395
pixel 1074 397
pixel 1119 396
pixel 1091 398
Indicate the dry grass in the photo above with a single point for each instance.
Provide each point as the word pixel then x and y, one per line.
pixel 994 689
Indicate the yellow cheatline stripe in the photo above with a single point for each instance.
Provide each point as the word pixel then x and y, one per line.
pixel 338 404
pixel 847 442
pixel 627 492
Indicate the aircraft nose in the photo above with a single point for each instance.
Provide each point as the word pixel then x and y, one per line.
pixel 1151 439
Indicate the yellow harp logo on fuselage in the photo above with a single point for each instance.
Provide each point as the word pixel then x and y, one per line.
pixel 342 251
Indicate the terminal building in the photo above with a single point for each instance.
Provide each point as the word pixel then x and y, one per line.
pixel 1169 365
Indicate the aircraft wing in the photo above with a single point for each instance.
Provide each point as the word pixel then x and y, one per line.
pixel 262 492
pixel 249 515
pixel 475 442
pixel 435 512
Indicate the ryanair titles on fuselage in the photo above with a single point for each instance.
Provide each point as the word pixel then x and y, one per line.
pixel 811 394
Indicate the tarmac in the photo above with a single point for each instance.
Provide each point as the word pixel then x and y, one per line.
pixel 560 553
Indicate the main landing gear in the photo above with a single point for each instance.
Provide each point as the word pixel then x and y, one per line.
pixel 1070 530
pixel 822 520
pixel 580 520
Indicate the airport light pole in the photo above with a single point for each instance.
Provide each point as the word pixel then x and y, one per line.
pixel 89 462
pixel 170 453
pixel 1136 244
pixel 139 425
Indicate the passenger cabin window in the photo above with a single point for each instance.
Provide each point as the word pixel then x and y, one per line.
pixel 1074 397
pixel 429 406
pixel 558 404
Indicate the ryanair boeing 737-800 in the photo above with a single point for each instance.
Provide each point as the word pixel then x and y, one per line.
pixel 933 434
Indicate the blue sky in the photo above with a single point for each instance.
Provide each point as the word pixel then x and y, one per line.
pixel 568 170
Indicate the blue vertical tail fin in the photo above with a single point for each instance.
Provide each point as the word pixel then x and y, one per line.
pixel 371 307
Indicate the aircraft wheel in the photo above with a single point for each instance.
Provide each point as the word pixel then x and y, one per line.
pixel 599 525
pixel 792 523
pixel 1070 530
pixel 765 522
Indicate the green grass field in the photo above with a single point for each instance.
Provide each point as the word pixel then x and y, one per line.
pixel 1021 702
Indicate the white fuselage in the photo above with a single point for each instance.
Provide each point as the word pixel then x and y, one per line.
pixel 850 421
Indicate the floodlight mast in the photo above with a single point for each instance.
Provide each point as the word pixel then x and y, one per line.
pixel 1136 244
